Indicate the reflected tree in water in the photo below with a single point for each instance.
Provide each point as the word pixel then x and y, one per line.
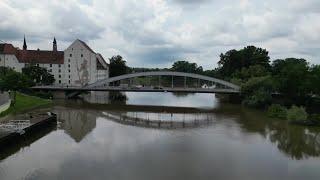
pixel 117 98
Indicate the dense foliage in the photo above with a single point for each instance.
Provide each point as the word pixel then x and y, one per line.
pixel 11 80
pixel 234 60
pixel 38 75
pixel 297 114
pixel 277 111
pixel 117 66
pixel 185 66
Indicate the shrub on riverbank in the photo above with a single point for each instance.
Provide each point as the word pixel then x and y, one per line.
pixel 297 114
pixel 315 118
pixel 277 111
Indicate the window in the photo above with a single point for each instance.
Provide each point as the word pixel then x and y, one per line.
pixel 69 60
pixel 59 70
pixel 69 70
pixel 81 55
pixel 69 81
pixel 70 55
pixel 59 76
pixel 69 76
pixel 59 65
pixel 50 65
pixel 69 65
pixel 59 81
pixel 37 65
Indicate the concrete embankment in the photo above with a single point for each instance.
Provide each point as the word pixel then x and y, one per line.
pixel 14 130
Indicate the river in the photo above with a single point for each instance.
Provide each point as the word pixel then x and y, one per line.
pixel 162 136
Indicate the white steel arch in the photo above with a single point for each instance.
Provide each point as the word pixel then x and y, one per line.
pixel 106 81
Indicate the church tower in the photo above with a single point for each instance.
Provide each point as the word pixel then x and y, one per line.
pixel 24 43
pixel 54 48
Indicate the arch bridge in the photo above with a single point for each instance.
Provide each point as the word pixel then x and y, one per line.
pixel 204 82
pixel 175 81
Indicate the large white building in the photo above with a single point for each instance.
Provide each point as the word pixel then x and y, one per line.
pixel 78 65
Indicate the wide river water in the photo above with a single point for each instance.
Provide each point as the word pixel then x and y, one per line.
pixel 162 136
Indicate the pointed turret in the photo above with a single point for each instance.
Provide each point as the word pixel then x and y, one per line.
pixel 24 43
pixel 54 48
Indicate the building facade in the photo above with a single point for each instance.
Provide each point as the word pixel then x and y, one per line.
pixel 78 65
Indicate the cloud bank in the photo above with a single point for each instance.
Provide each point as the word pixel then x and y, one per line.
pixel 154 33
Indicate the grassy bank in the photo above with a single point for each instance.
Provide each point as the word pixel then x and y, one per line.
pixel 24 103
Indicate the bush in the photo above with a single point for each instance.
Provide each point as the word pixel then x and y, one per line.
pixel 315 118
pixel 297 114
pixel 257 91
pixel 258 99
pixel 277 111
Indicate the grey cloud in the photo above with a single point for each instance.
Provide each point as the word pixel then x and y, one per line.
pixel 10 34
pixel 154 33
pixel 190 1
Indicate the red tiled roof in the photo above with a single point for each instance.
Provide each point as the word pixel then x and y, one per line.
pixel 41 57
pixel 7 49
pixel 33 56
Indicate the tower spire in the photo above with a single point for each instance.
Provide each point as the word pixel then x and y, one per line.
pixel 24 43
pixel 54 48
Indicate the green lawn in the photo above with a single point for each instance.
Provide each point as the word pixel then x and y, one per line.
pixel 24 103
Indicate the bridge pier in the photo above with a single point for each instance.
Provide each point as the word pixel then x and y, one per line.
pixel 172 82
pixel 59 95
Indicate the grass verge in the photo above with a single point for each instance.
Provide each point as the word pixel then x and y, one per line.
pixel 24 103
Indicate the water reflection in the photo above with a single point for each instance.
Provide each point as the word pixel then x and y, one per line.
pixel 77 123
pixel 298 142
pixel 25 142
pixel 238 144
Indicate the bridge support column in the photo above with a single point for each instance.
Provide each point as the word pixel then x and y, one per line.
pixel 185 82
pixel 171 81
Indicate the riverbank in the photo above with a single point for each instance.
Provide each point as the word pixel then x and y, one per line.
pixel 24 102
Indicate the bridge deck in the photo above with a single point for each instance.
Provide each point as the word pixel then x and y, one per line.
pixel 133 89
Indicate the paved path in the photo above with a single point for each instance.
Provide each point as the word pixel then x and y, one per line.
pixel 4 98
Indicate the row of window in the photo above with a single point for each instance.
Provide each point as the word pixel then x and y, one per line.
pixel 70 55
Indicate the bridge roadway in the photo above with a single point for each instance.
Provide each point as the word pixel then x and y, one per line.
pixel 135 89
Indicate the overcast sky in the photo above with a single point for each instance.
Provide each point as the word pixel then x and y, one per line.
pixel 155 33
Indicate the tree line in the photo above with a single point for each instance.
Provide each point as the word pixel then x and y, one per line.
pixel 292 80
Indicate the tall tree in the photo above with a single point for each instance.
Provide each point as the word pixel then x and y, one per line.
pixel 117 66
pixel 291 77
pixel 235 60
pixel 187 67
pixel 38 75
pixel 14 81
pixel 315 79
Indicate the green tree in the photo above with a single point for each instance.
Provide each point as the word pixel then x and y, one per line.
pixel 187 67
pixel 291 77
pixel 297 114
pixel 235 60
pixel 257 91
pixel 315 79
pixel 38 75
pixel 243 75
pixel 14 81
pixel 117 66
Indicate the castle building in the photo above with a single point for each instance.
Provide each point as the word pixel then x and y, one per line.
pixel 78 65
